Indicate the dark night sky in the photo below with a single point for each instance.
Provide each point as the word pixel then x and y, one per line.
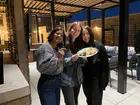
pixel 134 7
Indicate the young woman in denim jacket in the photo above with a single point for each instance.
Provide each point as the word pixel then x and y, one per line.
pixel 72 76
pixel 49 63
pixel 96 70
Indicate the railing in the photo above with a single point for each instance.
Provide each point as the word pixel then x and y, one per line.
pixel 1 69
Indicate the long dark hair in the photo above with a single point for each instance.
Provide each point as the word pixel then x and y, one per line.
pixel 91 40
pixel 82 44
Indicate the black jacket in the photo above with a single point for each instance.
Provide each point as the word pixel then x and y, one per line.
pixel 97 66
pixel 137 42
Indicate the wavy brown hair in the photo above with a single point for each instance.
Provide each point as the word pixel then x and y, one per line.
pixel 73 46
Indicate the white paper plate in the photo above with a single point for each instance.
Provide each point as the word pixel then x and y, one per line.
pixel 84 50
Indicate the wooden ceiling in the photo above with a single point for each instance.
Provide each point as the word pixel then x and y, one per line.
pixel 67 7
pixel 63 7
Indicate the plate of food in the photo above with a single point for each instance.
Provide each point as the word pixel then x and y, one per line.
pixel 88 52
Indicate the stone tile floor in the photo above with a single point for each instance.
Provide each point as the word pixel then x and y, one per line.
pixel 110 97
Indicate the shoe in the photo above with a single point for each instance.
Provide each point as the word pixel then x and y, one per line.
pixel 138 81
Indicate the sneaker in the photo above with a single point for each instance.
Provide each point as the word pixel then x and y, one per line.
pixel 138 81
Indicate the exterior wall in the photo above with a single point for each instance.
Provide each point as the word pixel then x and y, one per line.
pixel 97 33
pixel 112 24
pixel 133 28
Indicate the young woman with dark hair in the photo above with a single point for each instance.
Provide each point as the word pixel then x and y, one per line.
pixel 96 70
pixel 49 59
pixel 72 75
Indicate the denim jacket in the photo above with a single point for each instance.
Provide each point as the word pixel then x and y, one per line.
pixel 72 72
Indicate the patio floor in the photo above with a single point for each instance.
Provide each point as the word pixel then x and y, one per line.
pixel 110 97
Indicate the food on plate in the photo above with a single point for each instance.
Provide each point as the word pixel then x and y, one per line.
pixel 83 53
pixel 88 51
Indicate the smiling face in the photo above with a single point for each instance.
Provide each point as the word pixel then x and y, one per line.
pixel 75 31
pixel 85 35
pixel 58 37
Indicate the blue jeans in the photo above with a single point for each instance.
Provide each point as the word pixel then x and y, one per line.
pixel 49 91
pixel 138 67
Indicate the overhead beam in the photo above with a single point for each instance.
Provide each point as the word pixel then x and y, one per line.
pixel 37 5
pixel 113 1
pixel 112 6
pixel 40 5
pixel 46 5
pixel 34 13
pixel 72 5
pixel 96 8
pixel 84 9
pixel 34 4
pixel 30 2
pixel 79 6
pixel 47 10
pixel 26 2
pixel 117 3
pixel 98 3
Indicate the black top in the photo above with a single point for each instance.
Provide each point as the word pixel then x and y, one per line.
pixel 97 66
pixel 137 42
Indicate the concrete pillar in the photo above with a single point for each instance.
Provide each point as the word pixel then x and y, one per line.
pixel 20 37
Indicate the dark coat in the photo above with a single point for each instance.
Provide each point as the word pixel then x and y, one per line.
pixel 137 42
pixel 97 66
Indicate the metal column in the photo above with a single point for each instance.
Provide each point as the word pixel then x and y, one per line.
pixel 88 17
pixel 30 20
pixel 103 26
pixel 37 30
pixel 29 29
pixel 123 44
pixel 65 24
pixel 52 15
